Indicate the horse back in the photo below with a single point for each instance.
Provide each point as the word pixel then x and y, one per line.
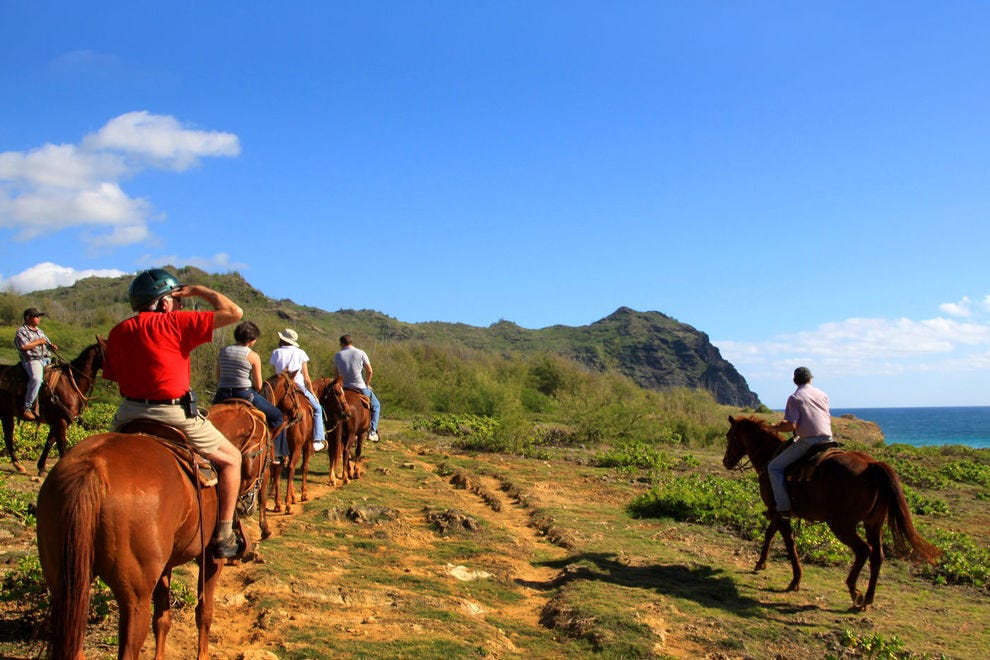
pixel 836 480
pixel 145 496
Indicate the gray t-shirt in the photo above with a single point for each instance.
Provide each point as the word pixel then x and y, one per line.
pixel 349 363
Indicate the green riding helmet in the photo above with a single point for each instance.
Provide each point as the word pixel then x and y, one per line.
pixel 149 286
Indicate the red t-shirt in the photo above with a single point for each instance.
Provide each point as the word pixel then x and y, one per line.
pixel 148 354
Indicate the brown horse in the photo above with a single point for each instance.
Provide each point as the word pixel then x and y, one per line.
pixel 120 507
pixel 356 431
pixel 282 391
pixel 336 410
pixel 846 488
pixel 61 400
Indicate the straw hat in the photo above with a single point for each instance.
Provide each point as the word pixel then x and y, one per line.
pixel 289 336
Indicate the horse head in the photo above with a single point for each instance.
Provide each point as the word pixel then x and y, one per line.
pixel 283 394
pixel 334 399
pixel 750 437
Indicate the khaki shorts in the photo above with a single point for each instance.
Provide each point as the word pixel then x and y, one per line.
pixel 202 435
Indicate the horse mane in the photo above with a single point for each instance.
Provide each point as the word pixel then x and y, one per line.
pixel 760 425
pixel 86 357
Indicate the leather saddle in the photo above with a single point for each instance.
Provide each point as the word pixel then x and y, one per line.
pixel 365 399
pixel 804 468
pixel 194 465
pixel 13 380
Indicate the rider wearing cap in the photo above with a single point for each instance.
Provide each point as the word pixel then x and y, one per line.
pixel 808 415
pixel 148 357
pixel 33 345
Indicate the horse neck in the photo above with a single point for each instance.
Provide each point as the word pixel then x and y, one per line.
pixel 762 447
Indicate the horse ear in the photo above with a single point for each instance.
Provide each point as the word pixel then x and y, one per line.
pixel 101 341
pixel 731 420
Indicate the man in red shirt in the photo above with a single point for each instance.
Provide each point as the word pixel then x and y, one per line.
pixel 148 357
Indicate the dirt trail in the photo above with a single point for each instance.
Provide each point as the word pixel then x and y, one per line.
pixel 243 630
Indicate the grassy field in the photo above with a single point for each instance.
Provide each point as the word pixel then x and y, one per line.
pixel 438 552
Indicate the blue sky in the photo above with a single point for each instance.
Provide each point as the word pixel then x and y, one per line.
pixel 807 183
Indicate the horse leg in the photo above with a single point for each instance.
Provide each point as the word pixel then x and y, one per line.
pixel 873 538
pixel 345 459
pixel 333 455
pixel 861 551
pixel 787 533
pixel 204 609
pixel 161 620
pixel 263 505
pixel 290 475
pixel 56 436
pixel 768 535
pixel 307 453
pixel 275 479
pixel 7 421
pixel 132 629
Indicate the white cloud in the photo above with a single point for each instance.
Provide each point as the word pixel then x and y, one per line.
pixel 48 275
pixel 867 350
pixel 57 187
pixel 961 308
pixel 161 140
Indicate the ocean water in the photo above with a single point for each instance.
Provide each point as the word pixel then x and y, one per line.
pixel 969 426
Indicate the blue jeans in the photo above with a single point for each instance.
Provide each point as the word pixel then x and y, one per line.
pixel 36 375
pixel 273 415
pixel 376 407
pixel 318 428
pixel 779 465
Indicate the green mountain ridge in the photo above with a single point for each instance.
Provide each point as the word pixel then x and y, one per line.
pixel 654 350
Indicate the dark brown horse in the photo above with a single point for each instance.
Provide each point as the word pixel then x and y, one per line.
pixel 67 389
pixel 120 507
pixel 282 391
pixel 846 488
pixel 336 410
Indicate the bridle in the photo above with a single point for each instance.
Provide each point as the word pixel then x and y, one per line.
pixel 295 415
pixel 66 367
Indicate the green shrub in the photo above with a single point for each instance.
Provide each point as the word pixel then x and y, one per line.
pixel 962 560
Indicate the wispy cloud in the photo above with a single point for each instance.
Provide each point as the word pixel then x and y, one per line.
pixel 874 346
pixel 49 276
pixel 57 187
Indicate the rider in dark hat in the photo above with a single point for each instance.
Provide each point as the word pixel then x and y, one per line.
pixel 33 345
pixel 808 415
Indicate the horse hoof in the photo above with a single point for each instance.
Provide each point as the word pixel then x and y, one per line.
pixel 759 567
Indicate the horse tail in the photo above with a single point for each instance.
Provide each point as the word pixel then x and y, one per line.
pixel 77 508
pixel 908 543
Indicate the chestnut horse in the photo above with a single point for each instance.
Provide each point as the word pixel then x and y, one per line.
pixel 120 507
pixel 60 401
pixel 282 391
pixel 355 431
pixel 336 410
pixel 846 488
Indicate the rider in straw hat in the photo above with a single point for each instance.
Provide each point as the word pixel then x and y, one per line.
pixel 290 357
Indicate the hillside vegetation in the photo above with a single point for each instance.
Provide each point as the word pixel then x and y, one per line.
pixel 655 351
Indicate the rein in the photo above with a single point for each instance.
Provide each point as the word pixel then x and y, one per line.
pixel 69 369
